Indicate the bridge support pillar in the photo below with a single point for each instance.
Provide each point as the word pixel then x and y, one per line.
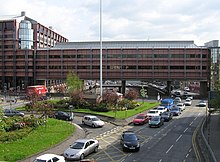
pixel 168 87
pixel 203 89
pixel 123 86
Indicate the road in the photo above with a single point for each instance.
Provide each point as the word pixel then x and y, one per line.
pixel 170 143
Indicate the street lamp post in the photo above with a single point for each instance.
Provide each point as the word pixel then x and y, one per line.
pixel 101 48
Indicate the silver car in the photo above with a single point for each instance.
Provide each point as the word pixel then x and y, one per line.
pixel 92 121
pixel 81 148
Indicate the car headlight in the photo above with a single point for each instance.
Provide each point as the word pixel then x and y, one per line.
pixel 125 145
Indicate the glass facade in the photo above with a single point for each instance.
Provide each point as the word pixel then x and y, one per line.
pixel 26 35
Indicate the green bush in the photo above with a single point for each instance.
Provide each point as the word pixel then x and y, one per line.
pixel 102 107
pixel 14 135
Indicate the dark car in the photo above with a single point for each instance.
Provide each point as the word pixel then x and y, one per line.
pixel 63 116
pixel 175 110
pixel 167 116
pixel 130 141
pixel 12 112
pixel 156 121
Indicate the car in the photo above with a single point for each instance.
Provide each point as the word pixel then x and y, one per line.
pixel 129 141
pixel 188 102
pixel 202 103
pixel 81 148
pixel 92 121
pixel 167 103
pixel 161 109
pixel 140 119
pixel 12 112
pixel 186 89
pixel 156 121
pixel 167 116
pixel 49 158
pixel 63 116
pixel 181 105
pixel 175 110
pixel 152 113
pixel 177 100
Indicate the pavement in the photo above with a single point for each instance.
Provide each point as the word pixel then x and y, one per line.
pixel 208 139
pixel 211 132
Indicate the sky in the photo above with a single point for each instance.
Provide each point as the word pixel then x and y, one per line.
pixel 124 20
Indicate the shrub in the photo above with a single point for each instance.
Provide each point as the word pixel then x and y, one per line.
pixel 102 107
pixel 14 135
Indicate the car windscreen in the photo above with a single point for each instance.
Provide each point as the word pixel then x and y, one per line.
pixel 140 117
pixel 77 145
pixel 130 137
pixel 155 119
pixel 95 119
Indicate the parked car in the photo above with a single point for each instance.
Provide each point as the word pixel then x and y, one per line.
pixel 161 109
pixel 49 158
pixel 93 121
pixel 156 121
pixel 140 119
pixel 202 103
pixel 167 116
pixel 181 105
pixel 12 112
pixel 175 110
pixel 152 113
pixel 188 102
pixel 81 148
pixel 63 116
pixel 130 141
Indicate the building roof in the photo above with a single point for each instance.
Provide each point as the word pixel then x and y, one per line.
pixel 126 44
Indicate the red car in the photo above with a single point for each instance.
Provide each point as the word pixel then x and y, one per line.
pixel 140 119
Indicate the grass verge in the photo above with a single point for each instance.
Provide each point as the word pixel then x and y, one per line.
pixel 42 138
pixel 122 114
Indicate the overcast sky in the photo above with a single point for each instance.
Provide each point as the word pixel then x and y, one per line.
pixel 78 20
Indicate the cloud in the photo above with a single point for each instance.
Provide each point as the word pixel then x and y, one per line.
pixel 124 19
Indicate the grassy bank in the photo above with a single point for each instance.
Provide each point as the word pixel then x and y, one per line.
pixel 122 114
pixel 42 138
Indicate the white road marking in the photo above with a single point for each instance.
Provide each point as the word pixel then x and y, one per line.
pixel 178 138
pixel 185 130
pixel 169 149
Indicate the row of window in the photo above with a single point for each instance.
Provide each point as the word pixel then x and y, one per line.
pixel 126 56
pixel 126 67
pixel 16 56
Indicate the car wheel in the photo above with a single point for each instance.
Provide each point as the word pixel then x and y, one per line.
pixel 96 149
pixel 138 149
pixel 81 156
pixel 93 125
pixel 83 122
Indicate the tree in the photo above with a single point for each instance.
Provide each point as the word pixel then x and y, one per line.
pixel 74 88
pixel 215 102
pixel 73 83
pixel 132 94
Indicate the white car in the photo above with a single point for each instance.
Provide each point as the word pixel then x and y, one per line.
pixel 161 109
pixel 188 102
pixel 202 103
pixel 181 106
pixel 50 158
pixel 93 121
pixel 152 113
pixel 81 148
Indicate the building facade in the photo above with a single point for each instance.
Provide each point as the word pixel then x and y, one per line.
pixel 20 38
pixel 31 53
